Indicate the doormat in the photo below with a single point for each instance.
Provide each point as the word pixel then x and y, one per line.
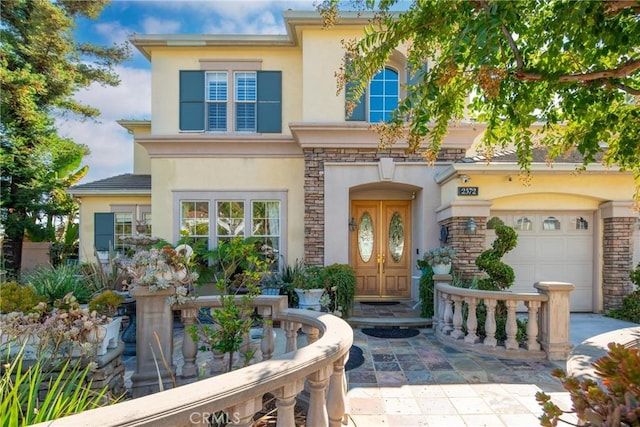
pixel 380 302
pixel 356 358
pixel 391 332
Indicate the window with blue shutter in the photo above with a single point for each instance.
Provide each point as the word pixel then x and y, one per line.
pixel 205 101
pixel 104 230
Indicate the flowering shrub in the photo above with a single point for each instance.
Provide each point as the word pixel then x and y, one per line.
pixel 66 331
pixel 162 269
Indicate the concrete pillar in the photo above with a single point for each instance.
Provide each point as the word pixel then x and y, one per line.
pixel 153 317
pixel 554 319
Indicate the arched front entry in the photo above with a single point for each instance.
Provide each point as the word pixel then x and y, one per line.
pixel 380 248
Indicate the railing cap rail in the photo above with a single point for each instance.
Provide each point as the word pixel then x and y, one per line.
pixel 499 295
pixel 173 407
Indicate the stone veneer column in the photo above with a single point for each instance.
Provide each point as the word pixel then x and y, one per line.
pixel 314 197
pixel 467 246
pixel 617 260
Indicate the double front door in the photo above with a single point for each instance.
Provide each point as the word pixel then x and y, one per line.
pixel 380 248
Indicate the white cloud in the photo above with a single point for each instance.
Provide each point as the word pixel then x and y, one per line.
pixel 152 25
pixel 113 32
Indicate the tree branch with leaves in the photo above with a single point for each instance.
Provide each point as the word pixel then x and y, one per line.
pixel 573 67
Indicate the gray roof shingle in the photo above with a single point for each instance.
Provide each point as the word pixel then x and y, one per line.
pixel 121 184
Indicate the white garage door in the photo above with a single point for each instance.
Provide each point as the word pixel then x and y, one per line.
pixel 552 246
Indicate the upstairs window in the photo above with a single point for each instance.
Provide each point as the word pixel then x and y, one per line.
pixel 384 91
pixel 236 101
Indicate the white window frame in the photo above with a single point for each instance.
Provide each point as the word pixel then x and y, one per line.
pixel 248 197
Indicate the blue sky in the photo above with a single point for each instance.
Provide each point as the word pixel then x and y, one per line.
pixel 111 146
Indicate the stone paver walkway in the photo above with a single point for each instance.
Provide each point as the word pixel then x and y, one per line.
pixel 420 382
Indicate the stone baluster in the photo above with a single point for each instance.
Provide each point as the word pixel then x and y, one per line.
pixel 512 326
pixel 312 333
pixel 291 329
pixel 472 321
pixel 243 413
pixel 189 347
pixel 286 402
pixel 490 323
pixel 457 317
pixel 318 381
pixel 448 314
pixel 267 344
pixel 440 313
pixel 532 325
pixel 337 394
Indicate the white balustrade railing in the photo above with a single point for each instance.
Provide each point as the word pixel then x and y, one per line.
pixel 237 395
pixel 547 314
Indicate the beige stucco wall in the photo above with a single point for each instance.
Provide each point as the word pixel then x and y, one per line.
pixel 323 54
pixel 168 62
pixel 565 191
pixel 90 205
pixel 240 174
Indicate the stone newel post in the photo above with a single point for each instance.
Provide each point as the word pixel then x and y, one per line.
pixel 554 319
pixel 153 317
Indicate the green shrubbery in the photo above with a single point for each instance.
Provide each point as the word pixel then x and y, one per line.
pixel 630 309
pixel 342 277
pixel 54 283
pixel 67 389
pixel 16 297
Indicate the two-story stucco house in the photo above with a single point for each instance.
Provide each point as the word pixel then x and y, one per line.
pixel 248 137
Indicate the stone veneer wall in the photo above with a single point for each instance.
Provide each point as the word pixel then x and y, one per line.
pixel 314 159
pixel 467 246
pixel 618 260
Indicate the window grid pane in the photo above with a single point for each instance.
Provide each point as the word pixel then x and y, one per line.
pixel 246 117
pixel 123 228
pixel 217 117
pixel 194 219
pixel 265 223
pixel 230 219
pixel 246 87
pixel 217 86
pixel 383 95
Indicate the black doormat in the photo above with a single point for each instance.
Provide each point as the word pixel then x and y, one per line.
pixel 356 358
pixel 391 332
pixel 380 302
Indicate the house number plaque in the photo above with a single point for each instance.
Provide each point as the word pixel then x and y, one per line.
pixel 467 191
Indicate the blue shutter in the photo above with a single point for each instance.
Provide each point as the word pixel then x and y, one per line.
pixel 360 111
pixel 104 230
pixel 192 92
pixel 269 101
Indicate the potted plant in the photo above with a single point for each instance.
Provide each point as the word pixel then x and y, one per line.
pixel 310 284
pixel 440 259
pixel 106 304
pixel 66 331
pixel 163 269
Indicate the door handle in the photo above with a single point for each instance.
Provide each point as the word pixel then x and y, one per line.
pixel 383 262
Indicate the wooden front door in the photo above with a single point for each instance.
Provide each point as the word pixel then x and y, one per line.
pixel 380 248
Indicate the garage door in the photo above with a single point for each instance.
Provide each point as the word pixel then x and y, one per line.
pixel 552 246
